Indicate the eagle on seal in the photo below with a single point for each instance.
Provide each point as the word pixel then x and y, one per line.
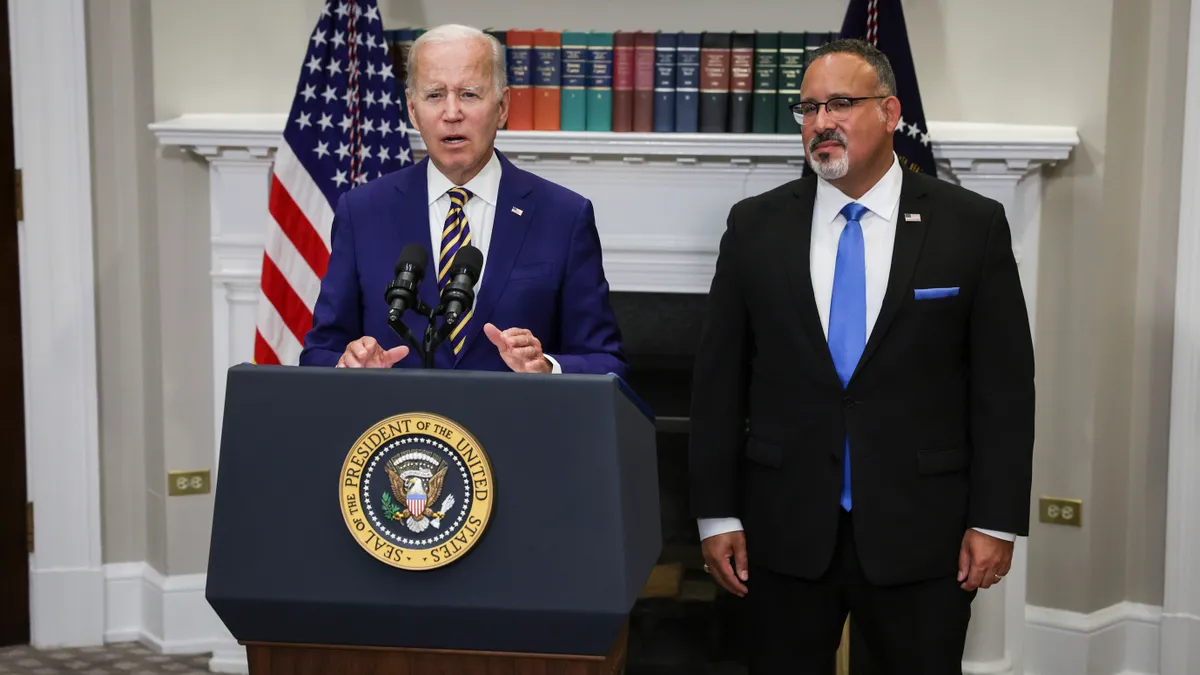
pixel 417 484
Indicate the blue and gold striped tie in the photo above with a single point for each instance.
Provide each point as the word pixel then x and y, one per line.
pixel 455 234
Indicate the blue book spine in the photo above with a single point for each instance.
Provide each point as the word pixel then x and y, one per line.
pixel 687 83
pixel 664 81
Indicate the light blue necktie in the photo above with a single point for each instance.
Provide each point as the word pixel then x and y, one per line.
pixel 848 313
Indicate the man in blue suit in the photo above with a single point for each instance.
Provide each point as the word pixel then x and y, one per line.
pixel 542 298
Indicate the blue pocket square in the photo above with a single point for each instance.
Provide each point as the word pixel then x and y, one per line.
pixel 931 293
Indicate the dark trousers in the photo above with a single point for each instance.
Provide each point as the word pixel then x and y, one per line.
pixel 795 625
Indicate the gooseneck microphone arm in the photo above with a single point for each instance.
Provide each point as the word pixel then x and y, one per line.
pixel 401 294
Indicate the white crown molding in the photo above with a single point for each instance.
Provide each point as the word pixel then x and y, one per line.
pixel 58 322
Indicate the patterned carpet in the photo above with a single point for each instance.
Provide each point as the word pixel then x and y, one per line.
pixel 128 658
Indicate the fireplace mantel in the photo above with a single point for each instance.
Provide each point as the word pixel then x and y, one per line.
pixel 661 201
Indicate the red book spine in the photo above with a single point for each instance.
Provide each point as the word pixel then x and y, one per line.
pixel 520 80
pixel 622 115
pixel 547 89
pixel 643 81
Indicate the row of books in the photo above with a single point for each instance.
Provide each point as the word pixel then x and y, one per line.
pixel 625 81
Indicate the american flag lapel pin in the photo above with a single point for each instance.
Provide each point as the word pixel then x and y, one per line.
pixel 912 217
pixel 517 211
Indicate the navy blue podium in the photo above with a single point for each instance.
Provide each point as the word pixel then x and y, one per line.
pixel 329 478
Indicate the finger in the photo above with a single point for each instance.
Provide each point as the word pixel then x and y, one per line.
pixel 722 571
pixel 526 354
pixel 350 359
pixel 964 562
pixel 369 343
pixel 495 336
pixel 360 352
pixel 514 331
pixel 395 354
pixel 740 563
pixel 974 578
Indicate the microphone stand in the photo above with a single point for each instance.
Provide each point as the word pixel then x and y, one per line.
pixel 406 334
pixel 432 339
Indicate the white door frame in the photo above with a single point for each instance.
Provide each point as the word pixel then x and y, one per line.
pixel 58 323
pixel 1179 649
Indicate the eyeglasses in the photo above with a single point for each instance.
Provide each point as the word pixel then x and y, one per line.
pixel 839 109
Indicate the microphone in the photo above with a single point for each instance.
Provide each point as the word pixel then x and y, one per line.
pixel 401 294
pixel 459 294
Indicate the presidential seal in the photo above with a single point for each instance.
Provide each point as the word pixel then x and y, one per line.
pixel 416 491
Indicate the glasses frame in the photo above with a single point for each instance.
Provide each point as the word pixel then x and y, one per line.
pixel 795 107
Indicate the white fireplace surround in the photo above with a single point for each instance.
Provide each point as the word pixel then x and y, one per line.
pixel 661 201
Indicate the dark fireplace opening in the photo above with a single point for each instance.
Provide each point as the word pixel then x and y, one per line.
pixel 683 623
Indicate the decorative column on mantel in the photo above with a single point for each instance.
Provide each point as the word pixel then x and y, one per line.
pixel 661 201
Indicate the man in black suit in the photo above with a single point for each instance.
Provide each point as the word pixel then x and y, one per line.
pixel 863 401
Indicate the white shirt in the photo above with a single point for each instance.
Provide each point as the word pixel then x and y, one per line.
pixel 879 238
pixel 481 216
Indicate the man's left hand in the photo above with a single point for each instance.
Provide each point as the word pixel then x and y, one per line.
pixel 983 560
pixel 519 348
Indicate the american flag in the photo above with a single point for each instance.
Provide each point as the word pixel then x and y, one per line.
pixel 346 126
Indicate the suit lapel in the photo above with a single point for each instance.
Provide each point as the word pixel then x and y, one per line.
pixel 910 235
pixel 508 236
pixel 413 214
pixel 797 227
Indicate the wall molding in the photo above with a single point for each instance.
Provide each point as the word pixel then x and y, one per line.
pixel 58 320
pixel 1122 639
pixel 1180 649
pixel 171 615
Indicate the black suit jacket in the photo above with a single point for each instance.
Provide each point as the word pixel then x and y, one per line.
pixel 939 411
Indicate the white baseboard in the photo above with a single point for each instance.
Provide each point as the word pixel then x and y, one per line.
pixel 66 607
pixel 1122 639
pixel 169 614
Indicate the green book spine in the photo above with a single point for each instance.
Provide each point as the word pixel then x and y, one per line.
pixel 574 81
pixel 766 82
pixel 600 82
pixel 791 74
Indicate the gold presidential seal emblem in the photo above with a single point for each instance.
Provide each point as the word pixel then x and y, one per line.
pixel 416 491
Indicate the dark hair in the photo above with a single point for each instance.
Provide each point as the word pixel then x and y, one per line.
pixel 867 52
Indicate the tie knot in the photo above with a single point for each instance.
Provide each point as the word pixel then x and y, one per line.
pixel 459 196
pixel 854 211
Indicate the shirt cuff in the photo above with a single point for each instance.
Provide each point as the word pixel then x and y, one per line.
pixel 555 369
pixel 711 527
pixel 1006 536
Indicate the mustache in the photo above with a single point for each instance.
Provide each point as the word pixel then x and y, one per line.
pixel 828 135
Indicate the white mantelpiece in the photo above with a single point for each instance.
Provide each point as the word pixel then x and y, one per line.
pixel 661 201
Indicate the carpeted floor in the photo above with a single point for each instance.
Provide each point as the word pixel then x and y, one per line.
pixel 129 658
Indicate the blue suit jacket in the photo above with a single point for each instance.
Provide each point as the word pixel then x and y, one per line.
pixel 544 272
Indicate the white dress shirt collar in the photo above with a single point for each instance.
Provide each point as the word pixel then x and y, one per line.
pixel 485 185
pixel 882 199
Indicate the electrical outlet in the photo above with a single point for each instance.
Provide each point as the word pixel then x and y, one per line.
pixel 1060 511
pixel 188 482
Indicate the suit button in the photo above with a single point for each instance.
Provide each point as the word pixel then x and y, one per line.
pixel 847 402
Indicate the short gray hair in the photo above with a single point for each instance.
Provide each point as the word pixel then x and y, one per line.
pixel 453 32
pixel 867 52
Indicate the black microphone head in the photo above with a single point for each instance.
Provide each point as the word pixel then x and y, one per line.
pixel 413 258
pixel 469 261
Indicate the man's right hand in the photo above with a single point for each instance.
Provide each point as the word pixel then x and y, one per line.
pixel 718 549
pixel 365 352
